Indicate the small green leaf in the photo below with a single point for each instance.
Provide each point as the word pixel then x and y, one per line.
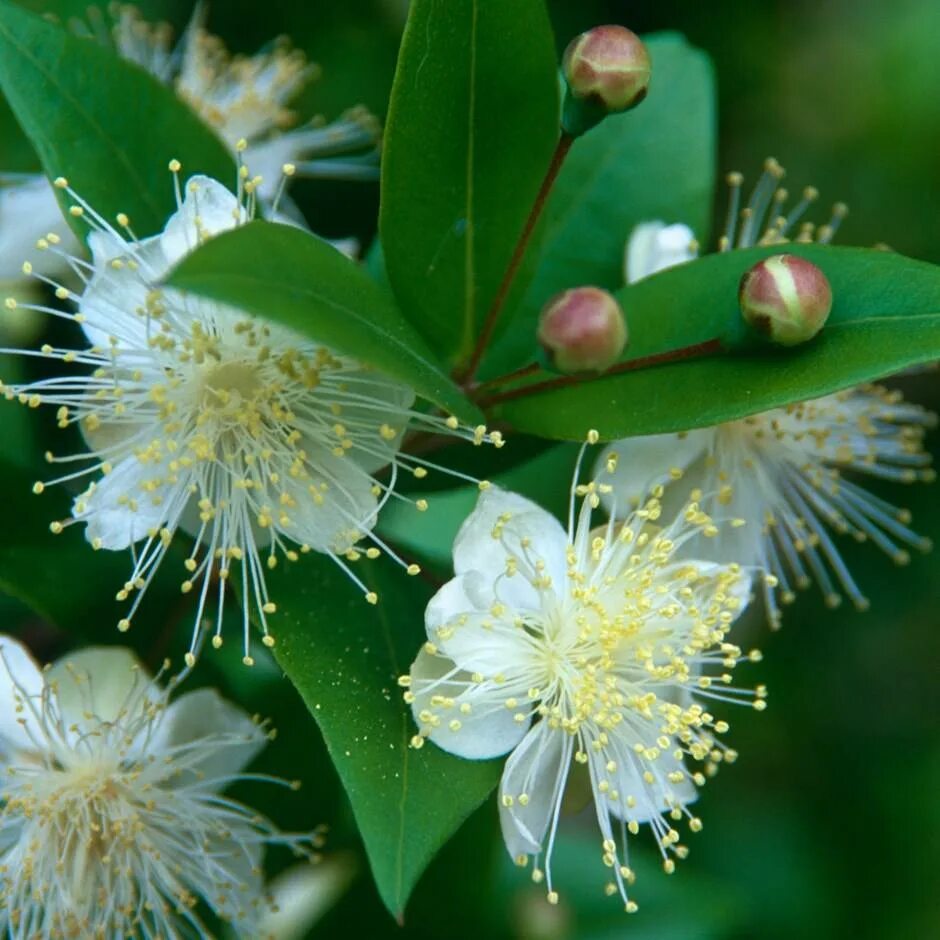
pixel 345 657
pixel 472 124
pixel 102 122
pixel 656 162
pixel 285 274
pixel 885 317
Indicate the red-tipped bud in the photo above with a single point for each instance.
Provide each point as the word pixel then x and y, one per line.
pixel 583 330
pixel 786 299
pixel 607 70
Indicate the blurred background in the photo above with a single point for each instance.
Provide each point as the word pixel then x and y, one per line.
pixel 829 823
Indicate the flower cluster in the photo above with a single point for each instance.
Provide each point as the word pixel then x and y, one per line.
pixel 596 656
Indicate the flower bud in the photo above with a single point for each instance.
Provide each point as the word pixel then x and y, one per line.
pixel 583 330
pixel 607 70
pixel 786 299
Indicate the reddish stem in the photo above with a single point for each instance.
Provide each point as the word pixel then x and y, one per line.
pixel 465 375
pixel 513 376
pixel 563 381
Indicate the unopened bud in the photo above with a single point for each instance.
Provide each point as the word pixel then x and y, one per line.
pixel 786 299
pixel 607 70
pixel 583 330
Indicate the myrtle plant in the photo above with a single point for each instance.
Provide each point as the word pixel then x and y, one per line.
pixel 232 420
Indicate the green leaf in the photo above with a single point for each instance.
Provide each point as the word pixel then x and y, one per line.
pixel 656 162
pixel 430 535
pixel 885 317
pixel 472 124
pixel 102 122
pixel 285 274
pixel 59 577
pixel 345 657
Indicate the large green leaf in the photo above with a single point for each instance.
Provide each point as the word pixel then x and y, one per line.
pixel 656 162
pixel 472 123
pixel 286 274
pixel 885 317
pixel 344 657
pixel 102 122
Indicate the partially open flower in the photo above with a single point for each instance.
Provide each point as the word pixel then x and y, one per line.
pixel 114 822
pixel 583 330
pixel 785 299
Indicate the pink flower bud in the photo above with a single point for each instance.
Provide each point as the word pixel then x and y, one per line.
pixel 609 65
pixel 786 299
pixel 583 330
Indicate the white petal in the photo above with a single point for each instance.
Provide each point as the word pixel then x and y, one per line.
pixel 106 682
pixel 347 510
pixel 114 304
pixel 232 738
pixel 494 532
pixel 117 509
pixel 303 893
pixel 453 600
pixel 639 800
pixel 655 246
pixel 643 462
pixel 386 402
pixel 472 637
pixel 29 211
pixel 488 730
pixel 20 679
pixel 533 783
pixel 208 208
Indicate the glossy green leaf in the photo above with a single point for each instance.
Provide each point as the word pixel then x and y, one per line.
pixel 656 162
pixel 885 317
pixel 288 275
pixel 472 124
pixel 102 122
pixel 345 656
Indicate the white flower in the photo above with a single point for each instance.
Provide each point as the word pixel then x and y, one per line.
pixel 783 471
pixel 244 98
pixel 581 653
pixel 113 821
pixel 248 436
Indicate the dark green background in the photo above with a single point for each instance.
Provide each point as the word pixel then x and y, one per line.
pixel 827 826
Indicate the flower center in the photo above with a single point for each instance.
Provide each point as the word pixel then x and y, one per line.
pixel 230 380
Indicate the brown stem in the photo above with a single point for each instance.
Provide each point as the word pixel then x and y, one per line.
pixel 644 362
pixel 513 376
pixel 466 374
